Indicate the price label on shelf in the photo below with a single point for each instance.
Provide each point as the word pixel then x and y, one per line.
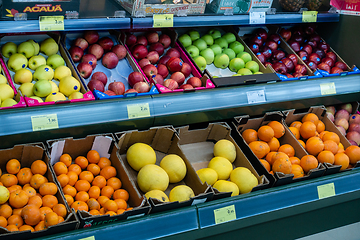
pixel 257 17
pixel 327 88
pixel 163 20
pixel 309 16
pixel 224 214
pixel 88 238
pixel 326 190
pixel 256 96
pixel 44 122
pixel 138 110
pixel 51 23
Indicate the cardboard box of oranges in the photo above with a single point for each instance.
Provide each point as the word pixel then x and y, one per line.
pixel 94 182
pixel 35 207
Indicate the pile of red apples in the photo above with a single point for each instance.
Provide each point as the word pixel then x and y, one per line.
pixel 313 50
pixel 158 61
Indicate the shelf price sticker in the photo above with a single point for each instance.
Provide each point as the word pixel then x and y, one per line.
pixel 326 190
pixel 51 23
pixel 44 122
pixel 138 110
pixel 309 16
pixel 225 214
pixel 327 88
pixel 256 96
pixel 257 18
pixel 163 20
pixel 87 238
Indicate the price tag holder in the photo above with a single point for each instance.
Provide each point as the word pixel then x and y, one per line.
pixel 309 16
pixel 88 238
pixel 257 17
pixel 327 88
pixel 326 190
pixel 163 20
pixel 51 23
pixel 44 122
pixel 224 214
pixel 256 96
pixel 138 110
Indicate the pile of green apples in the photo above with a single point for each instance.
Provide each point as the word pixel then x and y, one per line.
pixel 36 67
pixel 224 51
pixel 6 92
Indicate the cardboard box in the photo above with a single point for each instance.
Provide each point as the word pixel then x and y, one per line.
pixel 239 7
pixel 39 37
pixel 106 146
pixel 198 146
pixel 27 154
pixel 120 73
pixel 245 122
pixel 163 140
pixel 34 9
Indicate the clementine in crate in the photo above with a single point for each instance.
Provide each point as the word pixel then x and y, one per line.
pixel 40 226
pixel 278 128
pixel 279 155
pixel 268 157
pixel 80 205
pixel 320 126
pixel 69 190
pixel 38 167
pixel 259 148
pixel 302 143
pixel 94 192
pixel 93 168
pixel 339 159
pixel 308 162
pixel 75 168
pixel 49 201
pixel 250 135
pixel 103 162
pixel 314 145
pixel 93 204
pixel 93 156
pixel 44 211
pixel 35 200
pixel 307 130
pixel 294 160
pixel 296 124
pixel 24 176
pixel 82 196
pixel 353 152
pixel 5 211
pixel 310 117
pixel 265 164
pixel 108 172
pixel 3 222
pixel 26 228
pixel 60 210
pixel 274 144
pixel 114 182
pixel 8 180
pixel 73 177
pixel 63 179
pixel 82 162
pixel 60 168
pixel 282 165
pixel 15 220
pixel 295 132
pixel 121 194
pixel 18 199
pixel 297 171
pixel 99 181
pixel 51 219
pixel 265 133
pixel 287 149
pixel 326 157
pixel 13 166
pixel 331 146
pixel 110 205
pixel 37 180
pixel 331 136
pixel 31 214
pixel 48 188
pixel 86 175
pixel 82 185
pixel 107 191
pixel 66 159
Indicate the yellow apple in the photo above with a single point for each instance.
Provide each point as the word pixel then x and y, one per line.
pixel 68 85
pixel 6 91
pixel 55 96
pixel 76 95
pixel 8 102
pixel 61 72
pixel 3 78
pixel 23 75
pixel 26 89
pixel 54 87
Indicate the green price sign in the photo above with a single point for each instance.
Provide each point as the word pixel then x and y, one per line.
pixel 225 214
pixel 326 190
pixel 309 16
pixel 138 110
pixel 51 23
pixel 163 20
pixel 44 122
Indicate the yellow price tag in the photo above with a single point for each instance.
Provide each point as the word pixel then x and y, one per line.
pixel 326 190
pixel 163 20
pixel 88 238
pixel 327 88
pixel 309 16
pixel 225 214
pixel 51 23
pixel 44 122
pixel 138 110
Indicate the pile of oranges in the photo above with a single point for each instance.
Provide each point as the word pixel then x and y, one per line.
pixel 32 204
pixel 90 184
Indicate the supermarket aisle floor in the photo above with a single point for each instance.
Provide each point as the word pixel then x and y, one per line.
pixel 348 232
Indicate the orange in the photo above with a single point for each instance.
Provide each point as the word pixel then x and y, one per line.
pixel 5 210
pixel 302 143
pixel 266 164
pixel 15 220
pixel 282 165
pixel 94 192
pixel 40 226
pixel 331 136
pixel 66 158
pixel 48 188
pixel 93 156
pixel 44 211
pixel 110 205
pixel 18 199
pixel 75 168
pixel 13 166
pixel 60 168
pixel 331 146
pixel 274 144
pixel 51 219
pixel 94 169
pixel 99 181
pixel 308 162
pixel 102 200
pixel 82 162
pixel 310 117
pixel 17 211
pixel 73 177
pixel 79 205
pixel 37 180
pixel 82 185
pixel 8 180
pixel 339 159
pixel 279 155
pixel 31 215
pixel 82 196
pixel 94 212
pixel 86 175
pixel 60 210
pixel 26 228
pixel 353 152
pixel 269 156
pixel 61 219
pixel 103 162
pixel 38 167
pixel 111 213
pixel 35 200
pixel 294 160
pixel 13 188
pixel 249 135
pixel 30 191
pixel 295 132
pixel 63 179
pixel 326 157
pixel 322 134
pixel 314 146
pixel 258 148
pixel 121 194
pixel 297 171
pixel 265 133
pixel 3 222
pixel 296 124
pixel 107 191
pixel 320 126
pixel 69 190
pixel 49 201
pixel 69 199
pixel 108 172
pixel 121 203
pixel 278 128
pixel 102 211
pixel 287 149
pixel 114 182
pixel 12 228
pixel 93 204
pixel 24 176
pixel 120 211
pixel 307 130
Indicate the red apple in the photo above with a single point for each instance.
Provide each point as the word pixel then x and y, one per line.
pixel 142 87
pixel 158 79
pixel 165 40
pixel 325 67
pixel 162 70
pixel 172 52
pixel 303 55
pixel 298 38
pixel 314 57
pixel 119 50
pixel 130 39
pixel 117 87
pixel 354 127
pixel 171 84
pixel 288 64
pixel 110 93
pixel 110 60
pixel 307 48
pixel 256 40
pixel 106 43
pixel 285 34
pixel 152 37
pixel 186 69
pixel 288 75
pixel 297 75
pixel 254 48
pixel 143 62
pixel 174 64
pixel 90 58
pixel 157 47
pixel 164 59
pixel 275 37
pixel 97 50
pixel 139 51
pixel 150 70
pixel 96 85
pixel 341 65
pixel 262 33
pixel 85 69
pixel 336 70
pixel 186 86
pixel 278 55
pixel 324 46
pixel 354 118
pixel 293 58
pixel 331 55
pixel 300 69
pixel 91 36
pixel 179 77
pixel 153 57
pixel 261 57
pixel 194 81
pixel 313 44
pixel 142 40
pixel 310 28
pixel 99 76
pixel 315 37
pixel 135 77
pixel 319 52
pixel 81 42
pixel 312 65
pixel 266 51
pixel 76 53
pixel 130 90
pixel 271 44
pixel 328 61
pixel 279 67
pixel 294 45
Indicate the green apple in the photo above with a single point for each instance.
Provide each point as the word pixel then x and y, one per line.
pixel 27 89
pixel 27 49
pixel 200 62
pixel 230 53
pixel 244 56
pixel 36 61
pixel 244 71
pixel 3 79
pixel 6 91
pixel 258 73
pixel 54 87
pixel 185 40
pixel 36 46
pixel 236 64
pixel 222 43
pixel 42 88
pixel 55 61
pixel 37 98
pixel 76 95
pixel 68 85
pixel 49 46
pixel 200 44
pixel 194 35
pixel 221 61
pixel 214 33
pixel 208 54
pixel 252 66
pixel 8 49
pixel 17 61
pixel 55 96
pixel 61 71
pixel 193 51
pixel 44 72
pixel 237 47
pixel 229 37
pixel 216 49
pixel 23 75
pixel 208 39
pixel 8 102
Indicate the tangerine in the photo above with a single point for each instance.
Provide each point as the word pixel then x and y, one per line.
pixel 265 133
pixel 310 117
pixel 341 159
pixel 308 162
pixel 13 166
pixel 326 157
pixel 353 152
pixel 38 167
pixel 93 156
pixel 278 128
pixel 287 149
pixel 66 159
pixel 307 130
pixel 60 168
pixel 249 135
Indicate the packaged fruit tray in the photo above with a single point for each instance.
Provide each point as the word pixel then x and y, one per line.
pixel 164 63
pixel 208 148
pixel 94 159
pixel 104 65
pixel 35 192
pixel 30 63
pixel 268 140
pixel 315 52
pixel 223 55
pixel 168 180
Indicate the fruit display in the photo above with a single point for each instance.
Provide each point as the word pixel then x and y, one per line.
pixel 104 65
pixel 40 72
pixel 163 62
